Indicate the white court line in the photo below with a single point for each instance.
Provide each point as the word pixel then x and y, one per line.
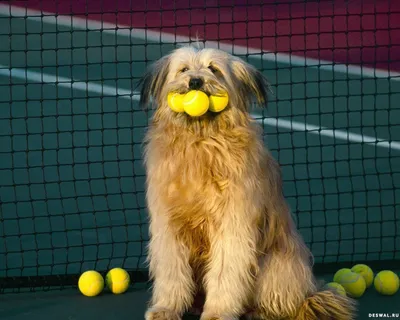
pixel 335 134
pixel 38 77
pixel 69 83
pixel 165 38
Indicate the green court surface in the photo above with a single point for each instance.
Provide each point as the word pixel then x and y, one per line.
pixel 72 180
pixel 68 305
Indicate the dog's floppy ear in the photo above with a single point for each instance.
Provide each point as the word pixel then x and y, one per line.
pixel 252 80
pixel 153 81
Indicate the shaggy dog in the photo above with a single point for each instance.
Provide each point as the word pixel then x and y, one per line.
pixel 219 223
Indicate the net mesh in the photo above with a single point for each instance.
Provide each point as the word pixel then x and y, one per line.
pixel 71 171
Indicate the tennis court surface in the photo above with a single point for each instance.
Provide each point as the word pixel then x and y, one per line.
pixel 71 171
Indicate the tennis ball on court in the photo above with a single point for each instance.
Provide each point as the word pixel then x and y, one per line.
pixel 195 103
pixel 353 283
pixel 365 271
pixel 338 288
pixel 117 280
pixel 91 283
pixel 175 101
pixel 218 103
pixel 339 273
pixel 386 282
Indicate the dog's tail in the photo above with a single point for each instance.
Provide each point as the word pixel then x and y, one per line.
pixel 327 305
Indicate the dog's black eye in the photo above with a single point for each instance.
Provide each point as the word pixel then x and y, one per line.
pixel 212 69
pixel 184 69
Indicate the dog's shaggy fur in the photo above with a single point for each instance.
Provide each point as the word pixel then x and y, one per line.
pixel 219 223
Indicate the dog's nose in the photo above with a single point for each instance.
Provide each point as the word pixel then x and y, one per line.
pixel 195 83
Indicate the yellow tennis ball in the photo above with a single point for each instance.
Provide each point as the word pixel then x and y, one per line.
pixel 338 288
pixel 218 103
pixel 117 280
pixel 353 283
pixel 339 273
pixel 175 101
pixel 386 282
pixel 365 271
pixel 91 283
pixel 196 103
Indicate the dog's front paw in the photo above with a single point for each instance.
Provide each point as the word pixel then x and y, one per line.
pixel 161 314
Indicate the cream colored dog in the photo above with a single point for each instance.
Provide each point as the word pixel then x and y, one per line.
pixel 219 224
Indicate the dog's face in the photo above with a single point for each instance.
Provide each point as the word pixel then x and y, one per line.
pixel 209 70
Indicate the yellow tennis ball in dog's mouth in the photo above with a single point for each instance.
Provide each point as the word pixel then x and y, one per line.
pixel 386 282
pixel 218 102
pixel 91 283
pixel 353 283
pixel 195 103
pixel 175 101
pixel 117 280
pixel 365 271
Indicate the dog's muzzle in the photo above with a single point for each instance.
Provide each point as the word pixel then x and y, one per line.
pixel 195 83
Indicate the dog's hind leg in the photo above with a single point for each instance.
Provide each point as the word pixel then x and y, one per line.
pixel 286 288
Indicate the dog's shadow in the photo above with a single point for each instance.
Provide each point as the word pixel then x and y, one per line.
pixel 195 317
pixel 190 317
pixel 197 308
